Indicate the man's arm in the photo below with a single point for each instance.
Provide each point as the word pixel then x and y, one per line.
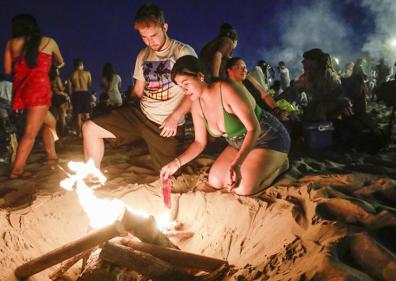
pixel 138 89
pixel 169 126
pixel 89 80
pixel 69 85
pixel 216 64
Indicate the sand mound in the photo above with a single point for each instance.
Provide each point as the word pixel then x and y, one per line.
pixel 333 227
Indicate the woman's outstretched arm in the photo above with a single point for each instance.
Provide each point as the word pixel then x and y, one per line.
pixel 194 149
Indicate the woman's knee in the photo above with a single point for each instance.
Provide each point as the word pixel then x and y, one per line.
pixel 215 180
pixel 247 188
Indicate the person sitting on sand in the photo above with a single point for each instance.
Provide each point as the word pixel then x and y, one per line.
pixel 158 98
pixel 236 70
pixel 258 143
pixel 323 87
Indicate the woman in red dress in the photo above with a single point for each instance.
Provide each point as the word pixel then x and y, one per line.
pixel 28 56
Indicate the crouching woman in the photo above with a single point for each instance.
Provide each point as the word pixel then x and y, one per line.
pixel 258 143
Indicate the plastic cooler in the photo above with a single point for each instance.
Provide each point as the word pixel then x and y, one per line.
pixel 318 135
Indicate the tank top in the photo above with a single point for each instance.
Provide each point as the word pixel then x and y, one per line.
pixel 232 124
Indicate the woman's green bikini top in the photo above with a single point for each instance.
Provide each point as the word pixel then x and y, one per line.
pixel 233 125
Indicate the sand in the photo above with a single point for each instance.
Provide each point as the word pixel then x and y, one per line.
pixel 330 217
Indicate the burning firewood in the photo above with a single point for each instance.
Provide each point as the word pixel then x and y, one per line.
pixel 151 261
pixel 143 263
pixel 173 256
pixel 69 263
pixel 143 228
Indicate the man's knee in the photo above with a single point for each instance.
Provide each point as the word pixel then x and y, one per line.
pixel 88 128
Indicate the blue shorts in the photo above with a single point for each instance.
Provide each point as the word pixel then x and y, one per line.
pixel 273 135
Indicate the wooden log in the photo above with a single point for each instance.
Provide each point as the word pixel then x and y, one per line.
pixel 69 263
pixel 175 257
pixel 69 250
pixel 146 264
pixel 97 270
pixel 143 228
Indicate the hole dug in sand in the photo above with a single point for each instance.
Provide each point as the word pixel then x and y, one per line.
pixel 285 238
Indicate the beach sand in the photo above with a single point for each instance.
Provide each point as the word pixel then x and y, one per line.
pixel 331 216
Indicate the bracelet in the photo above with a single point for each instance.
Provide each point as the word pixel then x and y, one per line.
pixel 178 162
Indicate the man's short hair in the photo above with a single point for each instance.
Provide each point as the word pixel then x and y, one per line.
pixel 261 63
pixel 149 14
pixel 77 63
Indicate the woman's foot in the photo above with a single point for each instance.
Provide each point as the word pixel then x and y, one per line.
pixel 19 175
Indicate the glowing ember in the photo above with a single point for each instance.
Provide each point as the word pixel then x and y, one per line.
pixel 163 222
pixel 101 212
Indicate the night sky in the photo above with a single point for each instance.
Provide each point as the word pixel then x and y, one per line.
pixel 102 31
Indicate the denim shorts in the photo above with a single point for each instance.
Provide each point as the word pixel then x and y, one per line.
pixel 273 135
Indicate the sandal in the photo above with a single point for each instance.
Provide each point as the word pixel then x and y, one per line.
pixel 22 175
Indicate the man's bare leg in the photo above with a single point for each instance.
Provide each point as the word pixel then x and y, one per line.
pixel 93 141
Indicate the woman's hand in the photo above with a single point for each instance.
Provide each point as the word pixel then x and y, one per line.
pixel 234 176
pixel 169 169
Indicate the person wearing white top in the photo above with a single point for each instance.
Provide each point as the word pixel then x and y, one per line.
pixel 111 81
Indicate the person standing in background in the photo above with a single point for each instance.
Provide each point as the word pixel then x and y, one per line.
pixel 28 55
pixel 80 81
pixel 215 54
pixel 111 81
pixel 284 75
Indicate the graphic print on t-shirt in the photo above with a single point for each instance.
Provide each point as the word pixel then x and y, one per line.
pixel 158 79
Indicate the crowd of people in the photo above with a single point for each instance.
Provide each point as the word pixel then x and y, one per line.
pixel 258 112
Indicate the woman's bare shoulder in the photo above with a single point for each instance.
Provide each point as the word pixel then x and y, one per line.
pixel 230 87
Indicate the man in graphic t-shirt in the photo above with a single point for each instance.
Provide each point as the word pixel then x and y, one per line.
pixel 159 97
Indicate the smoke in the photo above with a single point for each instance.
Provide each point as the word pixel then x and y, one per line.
pixel 319 25
pixel 382 42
